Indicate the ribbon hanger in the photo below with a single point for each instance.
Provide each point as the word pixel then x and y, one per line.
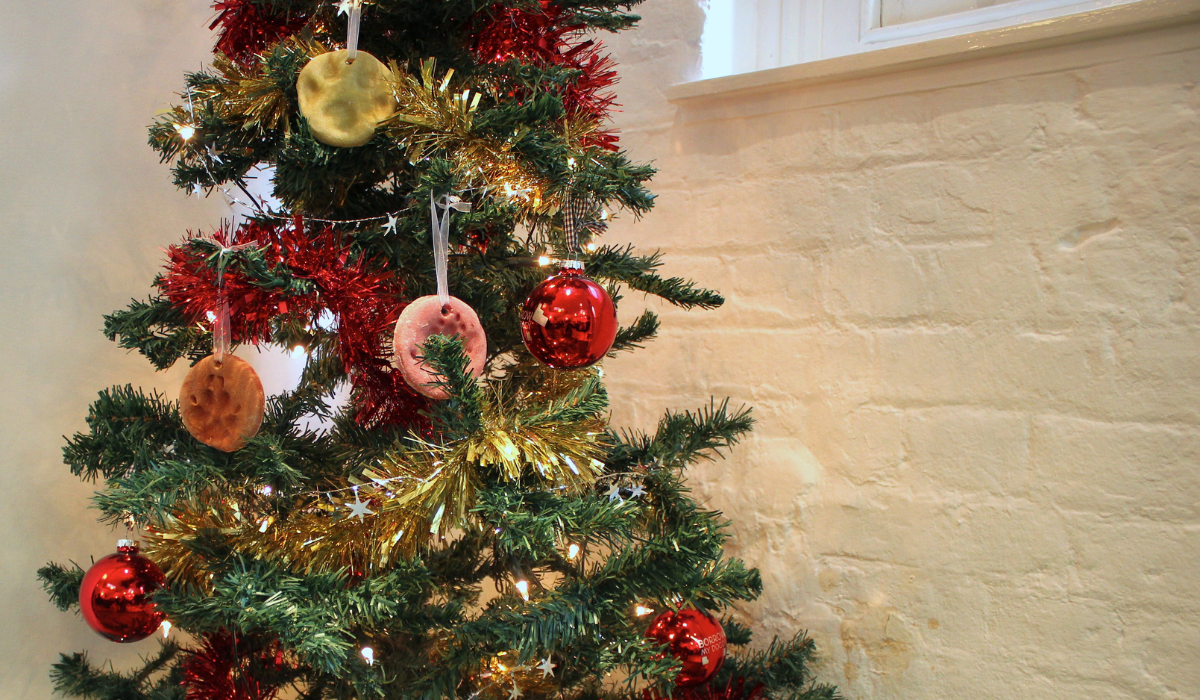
pixel 578 217
pixel 221 339
pixel 441 239
pixel 353 11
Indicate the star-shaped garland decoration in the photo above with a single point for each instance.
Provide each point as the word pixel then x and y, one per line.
pixel 390 226
pixel 359 509
pixel 614 493
pixel 344 6
pixel 637 491
pixel 546 667
pixel 516 693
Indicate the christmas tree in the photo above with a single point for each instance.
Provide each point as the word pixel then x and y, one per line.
pixel 466 524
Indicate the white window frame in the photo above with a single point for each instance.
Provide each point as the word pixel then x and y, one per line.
pixel 997 16
pixel 758 35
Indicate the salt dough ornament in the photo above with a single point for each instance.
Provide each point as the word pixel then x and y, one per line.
pixel 222 403
pixel 427 316
pixel 344 101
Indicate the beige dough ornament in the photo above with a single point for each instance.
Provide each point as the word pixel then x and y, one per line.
pixel 428 316
pixel 222 402
pixel 345 100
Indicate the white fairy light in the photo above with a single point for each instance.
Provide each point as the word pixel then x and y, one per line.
pixel 543 260
pixel 298 352
pixel 523 587
pixel 166 628
pixel 186 131
pixel 642 611
pixel 368 655
pixel 572 551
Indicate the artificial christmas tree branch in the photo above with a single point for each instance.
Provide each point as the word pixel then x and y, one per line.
pixel 482 532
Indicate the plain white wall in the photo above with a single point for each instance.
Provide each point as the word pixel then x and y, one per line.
pixel 84 208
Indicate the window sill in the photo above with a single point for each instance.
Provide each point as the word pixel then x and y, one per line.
pixel 1084 26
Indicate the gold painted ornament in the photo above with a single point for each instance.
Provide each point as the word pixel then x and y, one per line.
pixel 345 100
pixel 222 403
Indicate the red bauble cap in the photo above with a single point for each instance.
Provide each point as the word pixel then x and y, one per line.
pixel 569 321
pixel 695 639
pixel 115 595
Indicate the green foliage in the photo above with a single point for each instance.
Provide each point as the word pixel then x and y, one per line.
pixel 783 668
pixel 75 676
pixel 157 330
pixel 621 265
pixel 461 413
pixel 632 336
pixel 61 584
pixel 129 431
pixel 683 438
pixel 437 619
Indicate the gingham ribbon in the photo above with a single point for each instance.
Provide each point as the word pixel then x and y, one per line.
pixel 580 216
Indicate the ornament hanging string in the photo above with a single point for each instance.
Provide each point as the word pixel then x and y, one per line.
pixel 578 217
pixel 354 21
pixel 221 339
pixel 441 239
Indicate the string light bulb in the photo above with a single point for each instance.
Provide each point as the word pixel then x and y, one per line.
pixel 572 551
pixel 591 247
pixel 166 628
pixel 368 655
pixel 186 131
pixel 642 610
pixel 297 352
pixel 543 260
pixel 523 587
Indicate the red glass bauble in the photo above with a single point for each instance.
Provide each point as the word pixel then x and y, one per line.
pixel 695 639
pixel 569 321
pixel 115 595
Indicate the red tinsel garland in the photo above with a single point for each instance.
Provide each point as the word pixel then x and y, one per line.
pixel 362 296
pixel 224 668
pixel 538 37
pixel 734 689
pixel 248 27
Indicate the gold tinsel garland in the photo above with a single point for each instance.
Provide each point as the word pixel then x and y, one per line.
pixel 430 117
pixel 416 495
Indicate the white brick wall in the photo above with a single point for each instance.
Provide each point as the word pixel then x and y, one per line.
pixel 963 302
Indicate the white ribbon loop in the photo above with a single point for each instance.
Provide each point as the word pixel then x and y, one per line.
pixel 352 32
pixel 353 11
pixel 221 338
pixel 441 239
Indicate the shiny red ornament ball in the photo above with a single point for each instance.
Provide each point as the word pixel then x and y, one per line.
pixel 115 595
pixel 569 321
pixel 694 638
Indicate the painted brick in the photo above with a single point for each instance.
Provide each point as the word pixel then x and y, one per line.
pixel 964 303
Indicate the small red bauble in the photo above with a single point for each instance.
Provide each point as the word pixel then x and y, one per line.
pixel 695 639
pixel 115 595
pixel 569 321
